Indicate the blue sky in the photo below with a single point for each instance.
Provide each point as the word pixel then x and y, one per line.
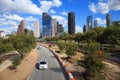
pixel 13 11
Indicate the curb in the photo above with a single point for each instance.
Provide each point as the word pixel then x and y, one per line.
pixel 69 74
pixel 67 71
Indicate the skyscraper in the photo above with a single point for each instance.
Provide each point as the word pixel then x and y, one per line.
pixel 36 29
pixel 21 27
pixel 46 25
pixel 108 20
pixel 59 29
pixel 84 28
pixel 90 22
pixel 95 23
pixel 71 23
pixel 54 27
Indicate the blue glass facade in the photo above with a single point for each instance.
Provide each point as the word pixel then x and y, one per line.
pixel 90 22
pixel 46 25
pixel 95 23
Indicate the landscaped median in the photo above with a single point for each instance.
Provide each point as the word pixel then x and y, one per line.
pixel 69 74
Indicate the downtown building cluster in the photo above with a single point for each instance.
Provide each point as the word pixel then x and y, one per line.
pixel 50 26
pixel 91 23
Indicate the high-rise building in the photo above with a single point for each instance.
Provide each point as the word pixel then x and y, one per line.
pixel 21 27
pixel 59 29
pixel 90 22
pixel 46 25
pixel 54 27
pixel 95 23
pixel 36 29
pixel 108 20
pixel 71 23
pixel 84 28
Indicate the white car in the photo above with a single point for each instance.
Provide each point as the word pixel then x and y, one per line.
pixel 43 64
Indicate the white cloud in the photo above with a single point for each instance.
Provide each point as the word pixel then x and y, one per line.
pixel 52 11
pixel 17 17
pixel 78 29
pixel 30 18
pixel 57 3
pixel 27 6
pixel 92 7
pixel 8 26
pixel 60 19
pixel 64 13
pixel 9 22
pixel 2 19
pixel 105 6
pixel 12 17
pixel 101 21
pixel 24 6
pixel 46 5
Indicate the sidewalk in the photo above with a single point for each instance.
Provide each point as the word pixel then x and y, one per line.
pixel 23 70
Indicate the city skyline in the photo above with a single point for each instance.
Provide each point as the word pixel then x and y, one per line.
pixel 31 10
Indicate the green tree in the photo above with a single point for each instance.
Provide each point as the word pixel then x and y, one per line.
pixel 24 43
pixel 71 48
pixel 78 37
pixel 5 46
pixel 48 38
pixel 92 63
pixel 16 61
pixel 90 36
pixel 111 35
pixel 55 38
pixel 61 45
pixel 64 36
pixel 98 31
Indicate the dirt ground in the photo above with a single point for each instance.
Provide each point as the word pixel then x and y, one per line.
pixel 23 71
pixel 112 71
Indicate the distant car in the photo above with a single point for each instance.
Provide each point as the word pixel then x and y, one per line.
pixel 43 64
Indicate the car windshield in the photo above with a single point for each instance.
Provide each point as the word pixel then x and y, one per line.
pixel 42 62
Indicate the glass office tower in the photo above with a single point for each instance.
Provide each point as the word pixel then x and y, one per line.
pixel 46 25
pixel 90 22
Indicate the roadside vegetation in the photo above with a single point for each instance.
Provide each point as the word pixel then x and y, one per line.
pixel 22 43
pixel 95 44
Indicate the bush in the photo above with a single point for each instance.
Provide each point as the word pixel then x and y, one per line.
pixel 16 61
pixel 92 47
pixel 92 63
pixel 61 45
pixel 71 48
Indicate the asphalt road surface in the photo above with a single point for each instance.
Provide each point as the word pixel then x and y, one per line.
pixel 54 71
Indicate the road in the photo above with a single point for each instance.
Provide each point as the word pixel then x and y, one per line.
pixel 54 71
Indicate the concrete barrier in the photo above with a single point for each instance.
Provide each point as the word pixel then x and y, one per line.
pixel 69 74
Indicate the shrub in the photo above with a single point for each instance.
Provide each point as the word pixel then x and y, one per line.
pixel 92 63
pixel 71 48
pixel 91 47
pixel 16 61
pixel 61 45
